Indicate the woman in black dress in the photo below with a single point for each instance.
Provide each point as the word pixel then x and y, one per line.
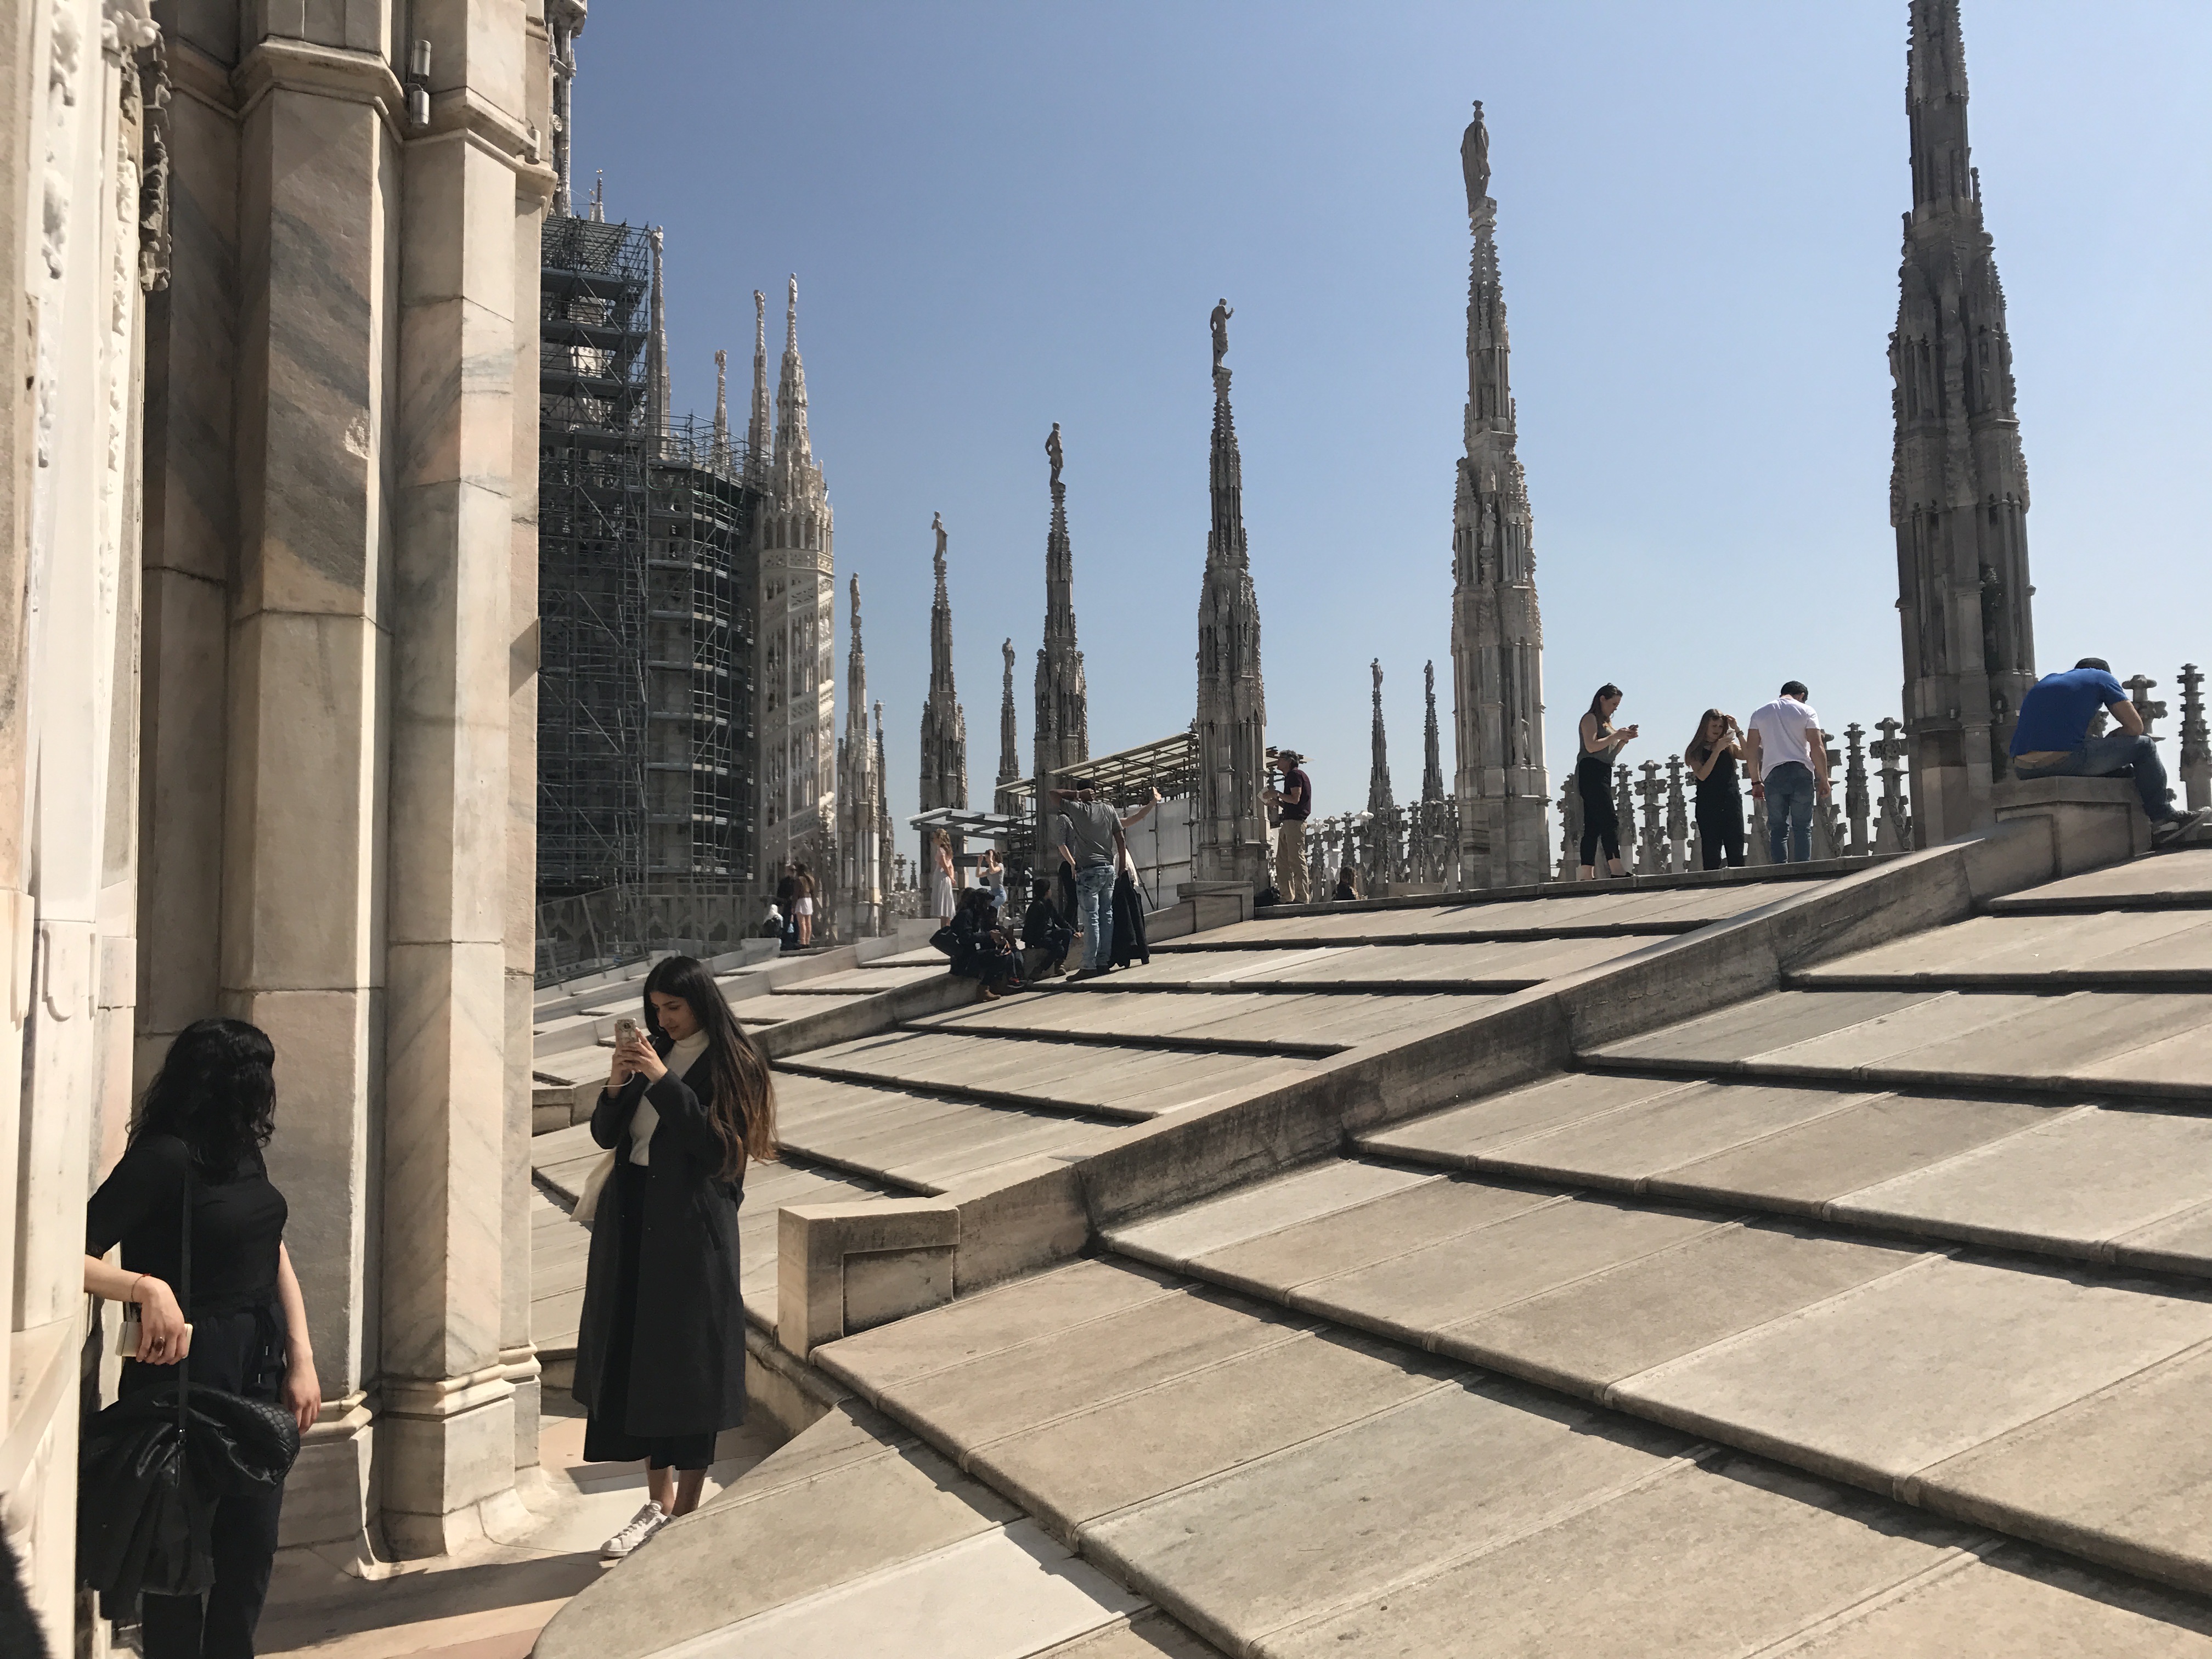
pixel 1711 758
pixel 205 1118
pixel 660 1347
pixel 1599 742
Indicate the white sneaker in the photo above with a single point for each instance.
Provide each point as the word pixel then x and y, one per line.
pixel 642 1525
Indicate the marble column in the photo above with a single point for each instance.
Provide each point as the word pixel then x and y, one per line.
pixel 448 1419
pixel 315 372
pixel 531 197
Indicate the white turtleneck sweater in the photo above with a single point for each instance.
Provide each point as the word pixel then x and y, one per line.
pixel 681 1058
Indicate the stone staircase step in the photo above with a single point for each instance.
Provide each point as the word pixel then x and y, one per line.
pixel 2097 1042
pixel 1509 964
pixel 1282 1488
pixel 1858 1358
pixel 1312 1025
pixel 922 1143
pixel 2117 949
pixel 1128 1081
pixel 2164 880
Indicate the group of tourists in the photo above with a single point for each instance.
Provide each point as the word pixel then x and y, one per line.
pixel 1094 893
pixel 798 901
pixel 1783 750
pixel 213 1305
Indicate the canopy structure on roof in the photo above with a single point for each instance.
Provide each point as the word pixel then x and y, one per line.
pixel 1128 776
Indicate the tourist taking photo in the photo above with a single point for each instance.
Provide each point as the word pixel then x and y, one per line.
pixel 660 1346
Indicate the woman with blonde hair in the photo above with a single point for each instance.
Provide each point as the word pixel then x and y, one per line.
pixel 660 1347
pixel 940 875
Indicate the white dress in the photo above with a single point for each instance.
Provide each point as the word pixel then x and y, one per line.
pixel 940 896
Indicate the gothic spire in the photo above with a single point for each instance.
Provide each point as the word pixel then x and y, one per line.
pixel 1498 630
pixel 756 431
pixel 856 676
pixel 656 360
pixel 1433 764
pixel 1379 797
pixel 1009 765
pixel 1959 483
pixel 1061 738
pixel 717 456
pixel 1230 834
pixel 943 724
pixel 796 474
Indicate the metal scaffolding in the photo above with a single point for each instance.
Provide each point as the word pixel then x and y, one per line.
pixel 645 584
pixel 592 704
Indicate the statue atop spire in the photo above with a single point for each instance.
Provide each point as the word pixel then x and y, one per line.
pixel 758 440
pixel 860 889
pixel 794 610
pixel 1958 491
pixel 1010 764
pixel 656 360
pixel 1498 630
pixel 1061 739
pixel 1433 764
pixel 1229 833
pixel 1474 161
pixel 1379 797
pixel 718 455
pixel 943 724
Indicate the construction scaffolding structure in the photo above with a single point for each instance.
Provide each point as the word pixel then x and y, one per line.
pixel 593 284
pixel 645 594
pixel 701 574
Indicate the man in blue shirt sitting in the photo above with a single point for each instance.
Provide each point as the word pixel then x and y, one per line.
pixel 2052 740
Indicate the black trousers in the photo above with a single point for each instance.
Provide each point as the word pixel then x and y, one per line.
pixel 1720 836
pixel 231 1352
pixel 1600 821
pixel 605 1439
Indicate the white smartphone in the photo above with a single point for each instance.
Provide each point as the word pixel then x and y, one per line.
pixel 625 1031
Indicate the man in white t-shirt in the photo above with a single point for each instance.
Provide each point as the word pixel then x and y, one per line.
pixel 1788 760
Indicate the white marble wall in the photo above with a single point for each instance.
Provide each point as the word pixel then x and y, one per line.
pixel 68 146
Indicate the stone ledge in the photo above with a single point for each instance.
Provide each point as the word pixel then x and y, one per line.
pixel 1022 1221
pixel 2092 821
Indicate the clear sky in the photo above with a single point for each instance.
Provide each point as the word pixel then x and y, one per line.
pixel 1003 215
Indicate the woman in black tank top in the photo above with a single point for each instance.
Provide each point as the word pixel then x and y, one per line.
pixel 1711 758
pixel 1599 742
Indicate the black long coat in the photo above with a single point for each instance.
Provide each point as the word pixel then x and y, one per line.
pixel 686 1356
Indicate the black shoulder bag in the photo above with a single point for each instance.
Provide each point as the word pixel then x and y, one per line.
pixel 152 1467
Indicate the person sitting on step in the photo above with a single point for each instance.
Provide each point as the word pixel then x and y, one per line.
pixel 2052 740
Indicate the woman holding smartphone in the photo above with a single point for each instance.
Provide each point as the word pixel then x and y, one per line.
pixel 660 1347
pixel 1711 756
pixel 1599 742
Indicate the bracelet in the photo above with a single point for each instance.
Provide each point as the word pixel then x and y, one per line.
pixel 133 1294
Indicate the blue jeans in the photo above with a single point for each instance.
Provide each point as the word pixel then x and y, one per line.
pixel 2115 751
pixel 1790 813
pixel 1094 913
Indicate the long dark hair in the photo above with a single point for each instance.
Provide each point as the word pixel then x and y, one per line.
pixel 742 1095
pixel 1699 747
pixel 1597 702
pixel 217 1092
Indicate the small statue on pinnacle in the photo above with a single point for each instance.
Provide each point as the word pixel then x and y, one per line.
pixel 1052 454
pixel 1222 314
pixel 1475 161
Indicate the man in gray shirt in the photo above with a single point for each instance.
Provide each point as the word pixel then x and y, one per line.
pixel 1090 842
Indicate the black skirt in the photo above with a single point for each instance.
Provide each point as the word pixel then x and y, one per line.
pixel 606 1440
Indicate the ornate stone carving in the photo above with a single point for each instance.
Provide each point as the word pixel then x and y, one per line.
pixel 1958 494
pixel 1230 839
pixel 1498 699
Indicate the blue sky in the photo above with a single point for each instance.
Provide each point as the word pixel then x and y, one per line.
pixel 1005 216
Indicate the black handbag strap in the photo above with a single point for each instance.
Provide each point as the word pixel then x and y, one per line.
pixel 184 1301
